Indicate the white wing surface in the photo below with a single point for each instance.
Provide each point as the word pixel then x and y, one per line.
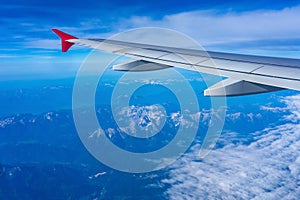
pixel 246 74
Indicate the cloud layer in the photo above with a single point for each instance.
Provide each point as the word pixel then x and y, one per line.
pixel 265 168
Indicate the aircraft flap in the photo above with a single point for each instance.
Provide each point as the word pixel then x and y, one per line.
pixel 139 65
pixel 234 87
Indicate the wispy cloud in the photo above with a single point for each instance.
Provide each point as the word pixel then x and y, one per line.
pixel 8 56
pixel 42 44
pixel 273 109
pixel 268 29
pixel 210 27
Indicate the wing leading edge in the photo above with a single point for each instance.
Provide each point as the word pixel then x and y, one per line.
pixel 246 74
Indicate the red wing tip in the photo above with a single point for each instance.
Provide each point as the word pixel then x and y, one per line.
pixel 64 36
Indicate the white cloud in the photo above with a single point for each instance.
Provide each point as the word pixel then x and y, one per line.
pixel 234 116
pixel 265 168
pixel 6 122
pixel 8 56
pixel 42 43
pixel 273 109
pixel 293 105
pixel 209 27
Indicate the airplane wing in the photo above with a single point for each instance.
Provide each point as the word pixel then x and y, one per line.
pixel 246 74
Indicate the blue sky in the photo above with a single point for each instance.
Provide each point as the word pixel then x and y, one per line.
pixel 29 46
